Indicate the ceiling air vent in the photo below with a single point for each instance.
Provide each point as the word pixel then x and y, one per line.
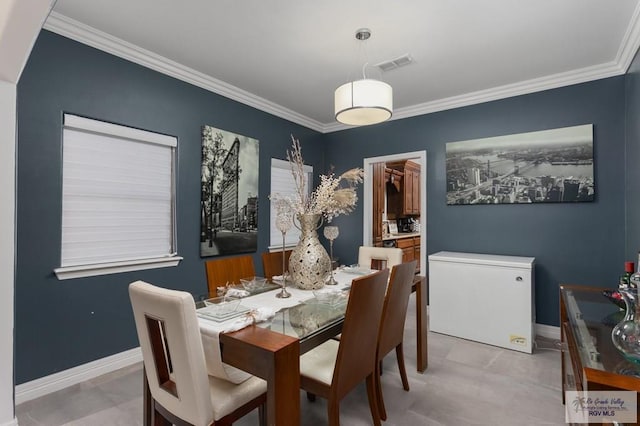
pixel 395 63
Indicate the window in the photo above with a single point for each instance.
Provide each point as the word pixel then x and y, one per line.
pixel 282 183
pixel 118 199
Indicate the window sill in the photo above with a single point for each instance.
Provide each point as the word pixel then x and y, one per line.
pixel 69 272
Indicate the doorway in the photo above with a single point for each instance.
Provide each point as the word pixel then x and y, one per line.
pixel 418 157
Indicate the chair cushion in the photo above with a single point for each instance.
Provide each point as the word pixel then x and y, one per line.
pixel 227 397
pixel 318 363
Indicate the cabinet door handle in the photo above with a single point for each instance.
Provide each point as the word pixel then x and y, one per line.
pixel 518 279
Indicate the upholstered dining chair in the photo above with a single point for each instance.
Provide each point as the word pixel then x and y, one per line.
pixel 182 393
pixel 394 313
pixel 334 368
pixel 272 262
pixel 379 257
pixel 228 270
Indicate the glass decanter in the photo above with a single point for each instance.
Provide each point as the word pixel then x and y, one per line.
pixel 626 334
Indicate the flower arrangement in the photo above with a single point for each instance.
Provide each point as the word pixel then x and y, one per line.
pixel 334 196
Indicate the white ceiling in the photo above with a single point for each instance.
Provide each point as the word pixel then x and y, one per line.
pixel 287 57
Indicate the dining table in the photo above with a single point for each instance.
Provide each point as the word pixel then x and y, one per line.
pixel 271 349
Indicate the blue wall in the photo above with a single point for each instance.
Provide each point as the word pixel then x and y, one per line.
pixel 632 156
pixel 62 324
pixel 580 243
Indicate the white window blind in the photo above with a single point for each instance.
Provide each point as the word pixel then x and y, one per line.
pixel 282 183
pixel 118 194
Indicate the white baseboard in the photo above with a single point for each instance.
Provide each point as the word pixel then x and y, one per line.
pixel 13 422
pixel 548 331
pixel 54 382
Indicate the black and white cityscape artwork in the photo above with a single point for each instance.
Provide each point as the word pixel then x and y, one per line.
pixel 549 166
pixel 229 193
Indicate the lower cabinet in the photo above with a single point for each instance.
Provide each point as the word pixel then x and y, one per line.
pixel 410 250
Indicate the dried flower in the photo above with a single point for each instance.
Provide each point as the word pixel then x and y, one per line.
pixel 333 197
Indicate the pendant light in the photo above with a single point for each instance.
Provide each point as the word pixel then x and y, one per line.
pixel 363 102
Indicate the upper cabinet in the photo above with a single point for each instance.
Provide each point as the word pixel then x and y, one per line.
pixel 405 201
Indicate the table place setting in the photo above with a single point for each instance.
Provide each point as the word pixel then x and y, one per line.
pixel 237 292
pixel 355 270
pixel 257 308
pixel 214 321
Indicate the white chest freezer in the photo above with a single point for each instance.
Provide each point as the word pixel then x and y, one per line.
pixel 482 297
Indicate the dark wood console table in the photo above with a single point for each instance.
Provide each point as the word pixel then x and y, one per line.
pixel 589 359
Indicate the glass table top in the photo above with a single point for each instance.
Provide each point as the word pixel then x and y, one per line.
pixel 592 317
pixel 307 319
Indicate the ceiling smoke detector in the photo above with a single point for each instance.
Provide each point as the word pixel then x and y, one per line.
pixel 398 62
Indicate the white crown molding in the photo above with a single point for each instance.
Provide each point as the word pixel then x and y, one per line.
pixel 630 42
pixel 54 382
pixel 90 36
pixel 85 34
pixel 516 89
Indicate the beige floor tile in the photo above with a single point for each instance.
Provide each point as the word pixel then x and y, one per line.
pixel 467 383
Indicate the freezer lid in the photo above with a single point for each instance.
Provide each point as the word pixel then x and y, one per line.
pixel 483 259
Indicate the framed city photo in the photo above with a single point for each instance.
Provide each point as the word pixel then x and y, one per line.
pixel 229 193
pixel 549 166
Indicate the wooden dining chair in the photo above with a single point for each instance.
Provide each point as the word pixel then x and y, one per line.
pixel 334 368
pixel 228 270
pixel 391 333
pixel 181 391
pixel 379 257
pixel 272 263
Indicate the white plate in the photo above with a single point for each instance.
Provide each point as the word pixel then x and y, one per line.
pixel 333 303
pixel 222 315
pixel 356 270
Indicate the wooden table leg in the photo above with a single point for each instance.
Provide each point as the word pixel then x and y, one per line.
pixel 283 388
pixel 422 326
pixel 273 357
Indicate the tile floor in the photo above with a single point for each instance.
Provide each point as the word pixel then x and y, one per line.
pixel 467 383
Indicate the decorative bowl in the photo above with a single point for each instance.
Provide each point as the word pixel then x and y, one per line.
pixel 329 296
pixel 221 305
pixel 253 283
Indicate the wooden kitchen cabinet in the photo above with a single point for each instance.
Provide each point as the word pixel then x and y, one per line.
pixel 406 244
pixel 410 249
pixel 378 202
pixel 406 201
pixel 416 252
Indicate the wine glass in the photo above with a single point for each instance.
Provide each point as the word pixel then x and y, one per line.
pixel 284 222
pixel 331 233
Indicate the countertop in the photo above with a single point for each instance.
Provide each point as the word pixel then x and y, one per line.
pixel 400 235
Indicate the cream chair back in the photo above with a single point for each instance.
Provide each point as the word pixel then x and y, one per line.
pixel 387 257
pixel 172 351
